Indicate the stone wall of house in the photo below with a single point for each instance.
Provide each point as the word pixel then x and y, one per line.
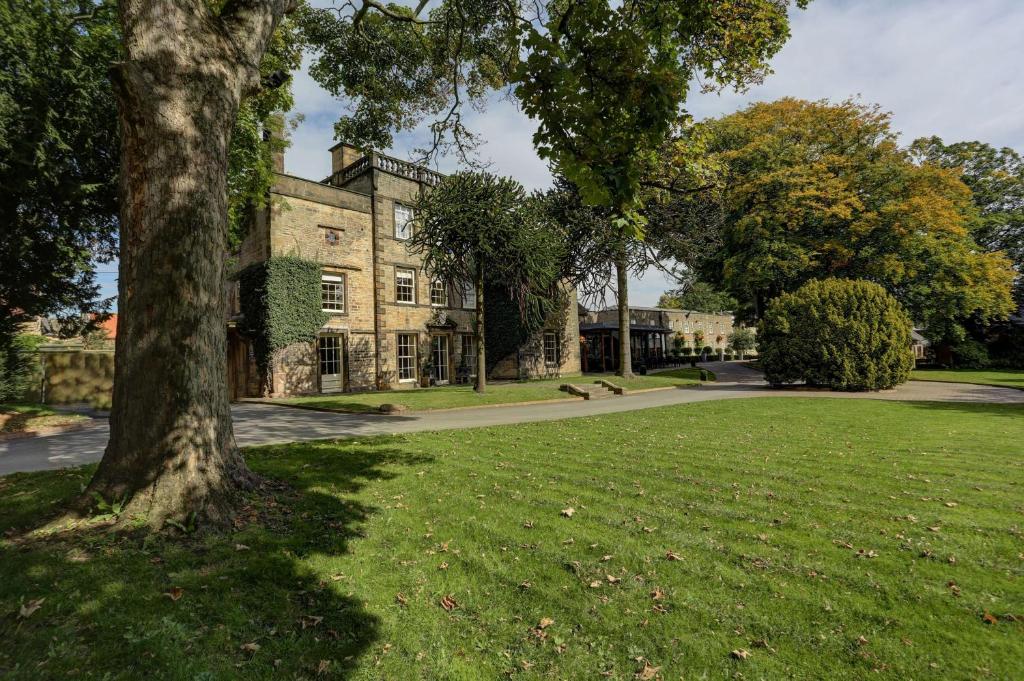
pixel 716 327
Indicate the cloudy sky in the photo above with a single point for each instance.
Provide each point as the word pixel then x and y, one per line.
pixel 945 67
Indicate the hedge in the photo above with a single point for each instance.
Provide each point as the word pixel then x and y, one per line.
pixel 840 333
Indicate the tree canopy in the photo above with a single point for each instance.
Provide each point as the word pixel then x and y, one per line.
pixel 698 296
pixel 59 161
pixel 816 189
pixel 996 180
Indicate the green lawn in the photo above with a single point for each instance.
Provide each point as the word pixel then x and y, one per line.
pixel 16 418
pixel 827 538
pixel 1006 378
pixel 664 379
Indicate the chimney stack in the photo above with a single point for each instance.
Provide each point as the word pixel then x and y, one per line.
pixel 343 155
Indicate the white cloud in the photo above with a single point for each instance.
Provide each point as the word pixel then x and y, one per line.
pixel 943 67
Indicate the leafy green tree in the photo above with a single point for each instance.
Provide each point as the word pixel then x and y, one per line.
pixel 478 228
pixel 837 333
pixel 58 160
pixel 814 189
pixel 996 180
pixel 698 296
pixel 743 340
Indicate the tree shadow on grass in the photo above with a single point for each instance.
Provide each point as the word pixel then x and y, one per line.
pixel 1006 410
pixel 241 604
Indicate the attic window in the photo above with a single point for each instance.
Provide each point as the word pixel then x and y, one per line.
pixel 332 236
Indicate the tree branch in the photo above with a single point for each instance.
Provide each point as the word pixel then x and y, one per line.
pixel 249 25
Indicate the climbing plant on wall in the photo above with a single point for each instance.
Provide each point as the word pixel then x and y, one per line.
pixel 281 304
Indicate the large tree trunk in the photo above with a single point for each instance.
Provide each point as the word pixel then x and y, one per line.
pixel 481 353
pixel 172 452
pixel 622 292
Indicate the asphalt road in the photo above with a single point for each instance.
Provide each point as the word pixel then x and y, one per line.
pixel 267 424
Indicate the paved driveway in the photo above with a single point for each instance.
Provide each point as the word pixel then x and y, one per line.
pixel 266 424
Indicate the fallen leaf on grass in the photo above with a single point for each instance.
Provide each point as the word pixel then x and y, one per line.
pixel 989 618
pixel 401 599
pixel 323 667
pixel 657 594
pixel 568 512
pixel 861 641
pixel 934 529
pixel 648 672
pixel 448 603
pixel 241 547
pixel 673 556
pixel 442 566
pixel 528 524
pixel 612 579
pixel 250 647
pixel 605 559
pixel 175 593
pixel 595 584
pixel 30 607
pixel 739 654
pixel 545 622
pixel 310 621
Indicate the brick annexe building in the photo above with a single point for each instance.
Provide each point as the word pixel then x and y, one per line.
pixel 387 317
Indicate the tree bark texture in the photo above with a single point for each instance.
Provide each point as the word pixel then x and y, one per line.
pixel 172 452
pixel 481 351
pixel 622 292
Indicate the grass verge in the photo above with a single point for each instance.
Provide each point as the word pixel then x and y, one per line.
pixel 816 538
pixel 20 418
pixel 1003 378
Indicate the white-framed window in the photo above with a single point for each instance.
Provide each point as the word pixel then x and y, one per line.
pixel 403 222
pixel 551 348
pixel 332 292
pixel 438 294
pixel 406 357
pixel 469 295
pixel 405 285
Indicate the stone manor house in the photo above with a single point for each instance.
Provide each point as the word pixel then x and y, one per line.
pixel 388 318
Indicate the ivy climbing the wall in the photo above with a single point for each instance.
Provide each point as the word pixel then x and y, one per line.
pixel 281 305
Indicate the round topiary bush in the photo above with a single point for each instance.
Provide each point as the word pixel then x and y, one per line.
pixel 839 333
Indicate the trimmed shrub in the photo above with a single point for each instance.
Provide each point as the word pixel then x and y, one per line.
pixel 840 333
pixel 20 373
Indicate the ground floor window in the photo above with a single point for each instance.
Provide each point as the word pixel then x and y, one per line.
pixel 406 357
pixel 469 353
pixel 551 348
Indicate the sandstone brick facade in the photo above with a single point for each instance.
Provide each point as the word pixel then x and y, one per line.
pixel 389 330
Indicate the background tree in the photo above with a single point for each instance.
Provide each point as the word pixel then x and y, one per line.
pixel 58 153
pixel 58 160
pixel 996 180
pixel 698 296
pixel 478 228
pixel 815 189
pixel 743 340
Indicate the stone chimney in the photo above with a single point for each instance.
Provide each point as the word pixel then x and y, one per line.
pixel 343 155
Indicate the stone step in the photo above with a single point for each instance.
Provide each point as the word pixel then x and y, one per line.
pixel 588 392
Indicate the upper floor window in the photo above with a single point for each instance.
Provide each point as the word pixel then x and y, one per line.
pixel 469 295
pixel 551 348
pixel 403 222
pixel 405 286
pixel 438 294
pixel 332 292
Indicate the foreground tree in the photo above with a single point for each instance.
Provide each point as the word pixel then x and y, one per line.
pixel 814 190
pixel 184 74
pixel 481 229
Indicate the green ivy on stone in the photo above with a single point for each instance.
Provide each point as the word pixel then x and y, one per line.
pixel 281 305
